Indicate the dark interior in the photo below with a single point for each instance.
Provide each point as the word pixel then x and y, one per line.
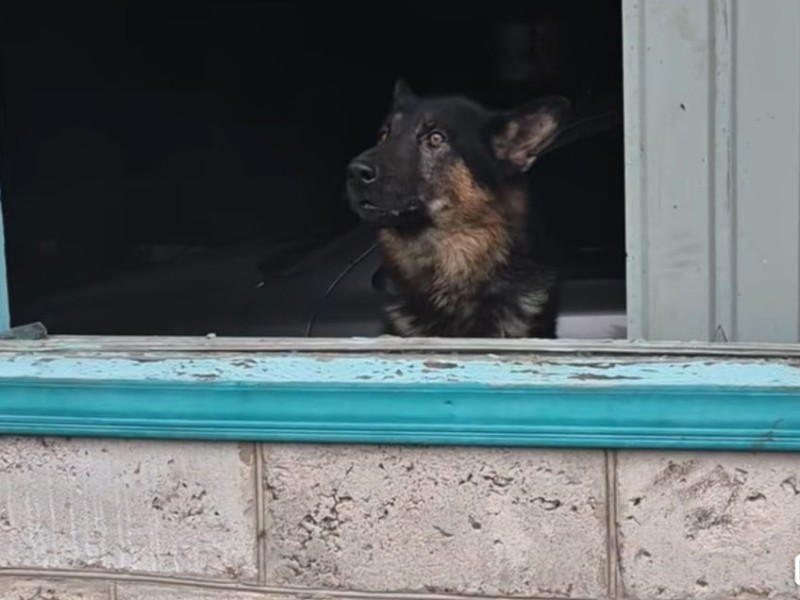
pixel 164 164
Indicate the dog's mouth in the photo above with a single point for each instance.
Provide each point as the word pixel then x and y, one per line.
pixel 366 205
pixel 369 207
pixel 390 217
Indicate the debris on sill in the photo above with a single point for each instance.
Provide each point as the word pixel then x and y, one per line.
pixel 31 331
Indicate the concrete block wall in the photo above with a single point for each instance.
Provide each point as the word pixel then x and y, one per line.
pixel 143 520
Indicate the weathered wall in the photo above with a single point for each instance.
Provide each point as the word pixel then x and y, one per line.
pixel 712 91
pixel 105 520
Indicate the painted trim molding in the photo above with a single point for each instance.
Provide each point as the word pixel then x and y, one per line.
pixel 534 399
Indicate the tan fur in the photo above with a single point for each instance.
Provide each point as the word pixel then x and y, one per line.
pixel 513 326
pixel 403 323
pixel 522 140
pixel 515 207
pixel 469 240
pixel 532 302
pixel 502 143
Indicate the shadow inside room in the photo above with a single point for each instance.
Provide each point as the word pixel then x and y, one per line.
pixel 161 162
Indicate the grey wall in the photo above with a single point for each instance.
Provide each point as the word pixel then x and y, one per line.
pixel 713 169
pixel 144 520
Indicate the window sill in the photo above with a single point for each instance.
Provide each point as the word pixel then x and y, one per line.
pixel 386 391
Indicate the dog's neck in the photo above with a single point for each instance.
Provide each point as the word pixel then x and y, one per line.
pixel 449 265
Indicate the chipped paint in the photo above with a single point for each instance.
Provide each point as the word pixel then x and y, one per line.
pixel 525 401
pixel 404 370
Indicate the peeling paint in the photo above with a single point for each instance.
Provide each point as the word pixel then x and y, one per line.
pixel 317 369
pixel 599 377
pixel 438 364
pixel 630 402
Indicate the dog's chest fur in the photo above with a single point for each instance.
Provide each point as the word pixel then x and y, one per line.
pixel 473 283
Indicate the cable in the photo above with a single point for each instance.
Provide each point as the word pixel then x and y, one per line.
pixel 580 129
pixel 335 282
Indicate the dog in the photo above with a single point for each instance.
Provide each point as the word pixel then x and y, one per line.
pixel 445 184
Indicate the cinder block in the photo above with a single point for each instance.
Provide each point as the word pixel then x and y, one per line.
pixel 144 506
pixel 439 520
pixel 176 592
pixel 16 588
pixel 708 525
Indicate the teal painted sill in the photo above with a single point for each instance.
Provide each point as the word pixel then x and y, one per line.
pixel 618 396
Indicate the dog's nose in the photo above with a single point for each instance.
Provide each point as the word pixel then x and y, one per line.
pixel 362 172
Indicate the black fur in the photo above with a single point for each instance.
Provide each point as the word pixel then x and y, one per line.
pixel 445 184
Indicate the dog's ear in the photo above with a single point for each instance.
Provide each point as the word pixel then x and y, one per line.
pixel 403 96
pixel 520 135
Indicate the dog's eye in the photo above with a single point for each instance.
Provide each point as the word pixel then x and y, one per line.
pixel 435 139
pixel 382 135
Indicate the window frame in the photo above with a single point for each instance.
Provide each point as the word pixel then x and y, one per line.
pixel 560 393
pixel 5 313
pixel 385 391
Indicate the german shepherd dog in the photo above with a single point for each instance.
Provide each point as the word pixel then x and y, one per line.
pixel 445 185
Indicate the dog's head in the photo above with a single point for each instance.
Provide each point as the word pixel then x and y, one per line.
pixel 442 159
